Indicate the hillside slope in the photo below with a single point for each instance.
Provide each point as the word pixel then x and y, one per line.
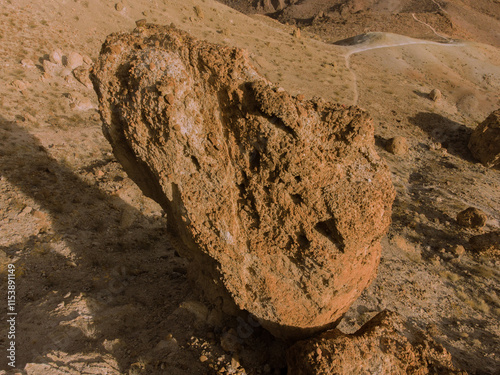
pixel 99 284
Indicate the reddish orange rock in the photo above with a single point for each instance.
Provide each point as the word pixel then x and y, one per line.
pixel 279 203
pixel 384 345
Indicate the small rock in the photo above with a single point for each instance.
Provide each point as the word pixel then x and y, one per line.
pixel 141 22
pixel 296 33
pixel 21 85
pixel 386 344
pixel 80 103
pixel 486 244
pixel 56 57
pixel 435 95
pixel 458 250
pixel 28 64
pixel 203 358
pixel 82 75
pixel 65 72
pixel 397 145
pixel 51 69
pixel 472 218
pixel 26 210
pixel 235 363
pixel 74 60
pixel 169 345
pixel 118 7
pixel 300 97
pixel 87 60
pixel 484 142
pixel 199 13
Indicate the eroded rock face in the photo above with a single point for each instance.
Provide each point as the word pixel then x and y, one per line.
pixel 384 345
pixel 484 142
pixel 281 202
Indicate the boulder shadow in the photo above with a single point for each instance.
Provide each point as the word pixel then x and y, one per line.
pixel 125 281
pixel 452 135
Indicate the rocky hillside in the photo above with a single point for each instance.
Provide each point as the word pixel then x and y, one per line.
pixel 100 285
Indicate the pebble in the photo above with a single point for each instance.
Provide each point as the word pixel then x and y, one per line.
pixel 203 358
pixel 118 7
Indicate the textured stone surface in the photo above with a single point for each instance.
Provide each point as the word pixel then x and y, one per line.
pixel 384 345
pixel 472 217
pixel 484 142
pixel 397 145
pixel 279 201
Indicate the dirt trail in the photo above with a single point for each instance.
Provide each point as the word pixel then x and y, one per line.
pixel 353 51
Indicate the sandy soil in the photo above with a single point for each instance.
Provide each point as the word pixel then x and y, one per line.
pixel 100 288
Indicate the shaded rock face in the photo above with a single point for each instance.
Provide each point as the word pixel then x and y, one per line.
pixel 484 142
pixel 384 345
pixel 280 203
pixel 487 244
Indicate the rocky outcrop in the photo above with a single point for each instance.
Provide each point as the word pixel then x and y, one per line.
pixel 280 202
pixel 484 142
pixel 384 345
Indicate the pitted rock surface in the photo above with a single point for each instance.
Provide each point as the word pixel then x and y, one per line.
pixel 384 345
pixel 280 202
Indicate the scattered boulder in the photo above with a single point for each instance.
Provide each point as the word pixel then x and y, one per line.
pixel 435 95
pixel 74 60
pixel 484 142
pixel 384 345
pixel 279 203
pixel 472 218
pixel 397 145
pixel 486 244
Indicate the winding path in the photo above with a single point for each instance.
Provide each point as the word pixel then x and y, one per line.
pixel 353 51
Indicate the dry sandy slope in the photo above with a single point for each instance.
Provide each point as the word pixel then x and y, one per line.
pixel 99 285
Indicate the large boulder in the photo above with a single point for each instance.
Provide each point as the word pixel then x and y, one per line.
pixel 484 142
pixel 278 202
pixel 384 345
